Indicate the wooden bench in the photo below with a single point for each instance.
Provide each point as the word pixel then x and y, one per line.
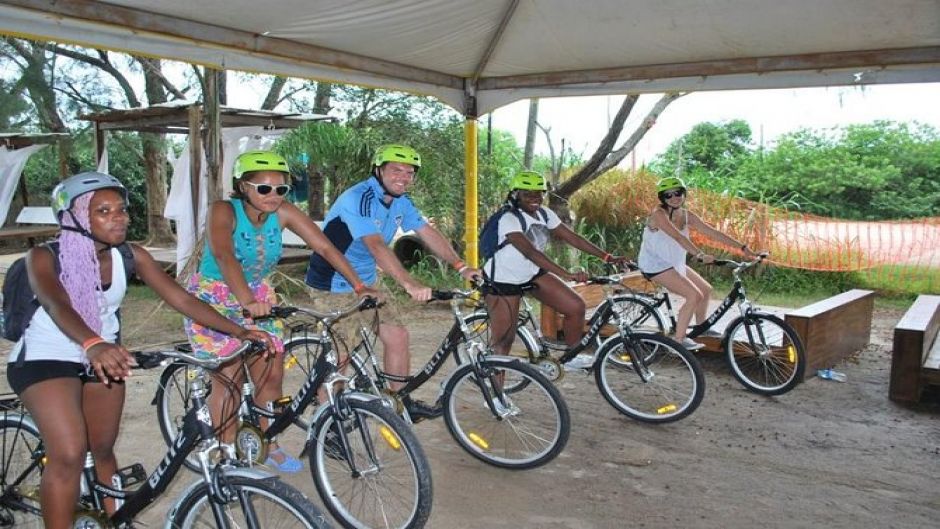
pixel 915 359
pixel 33 222
pixel 593 295
pixel 833 328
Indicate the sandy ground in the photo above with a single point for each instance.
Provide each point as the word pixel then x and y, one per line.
pixel 827 454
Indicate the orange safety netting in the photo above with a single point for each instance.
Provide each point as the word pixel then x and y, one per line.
pixel 890 251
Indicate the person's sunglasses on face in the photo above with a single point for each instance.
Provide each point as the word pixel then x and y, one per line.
pixel 671 194
pixel 264 189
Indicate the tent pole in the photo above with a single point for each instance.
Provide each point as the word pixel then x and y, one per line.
pixel 470 193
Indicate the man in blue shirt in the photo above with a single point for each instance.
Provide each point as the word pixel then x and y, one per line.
pixel 361 224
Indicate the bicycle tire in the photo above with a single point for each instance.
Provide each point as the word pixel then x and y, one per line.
pixel 532 427
pixel 765 354
pixel 640 314
pixel 392 491
pixel 274 504
pixel 19 506
pixel 524 346
pixel 673 389
pixel 172 402
pixel 300 356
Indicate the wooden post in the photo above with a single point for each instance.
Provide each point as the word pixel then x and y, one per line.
pixel 213 134
pixel 195 161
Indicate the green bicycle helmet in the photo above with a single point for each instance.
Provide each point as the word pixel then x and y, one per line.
pixel 394 152
pixel 259 161
pixel 669 183
pixel 65 193
pixel 529 181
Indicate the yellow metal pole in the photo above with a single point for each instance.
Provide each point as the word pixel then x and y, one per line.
pixel 470 200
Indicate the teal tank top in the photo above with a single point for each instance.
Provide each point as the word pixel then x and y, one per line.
pixel 257 249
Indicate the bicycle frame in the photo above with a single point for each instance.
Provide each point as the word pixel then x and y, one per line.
pixel 736 295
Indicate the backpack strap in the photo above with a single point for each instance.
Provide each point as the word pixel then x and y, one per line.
pixel 515 211
pixel 127 255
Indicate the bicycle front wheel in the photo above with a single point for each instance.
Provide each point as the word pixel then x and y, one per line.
pixel 523 346
pixel 250 503
pixel 378 478
pixel 522 429
pixel 20 474
pixel 765 354
pixel 660 382
pixel 172 401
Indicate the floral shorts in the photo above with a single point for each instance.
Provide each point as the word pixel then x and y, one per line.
pixel 216 293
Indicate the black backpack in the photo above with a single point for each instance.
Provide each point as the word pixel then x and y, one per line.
pixel 489 236
pixel 19 301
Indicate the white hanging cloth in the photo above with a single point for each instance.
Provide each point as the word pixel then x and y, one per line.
pixel 12 162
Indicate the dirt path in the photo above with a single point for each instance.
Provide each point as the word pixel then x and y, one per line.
pixel 825 455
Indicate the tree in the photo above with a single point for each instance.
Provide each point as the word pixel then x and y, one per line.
pixel 607 156
pixel 708 154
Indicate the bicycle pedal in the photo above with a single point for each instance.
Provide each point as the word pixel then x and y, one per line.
pixel 283 401
pixel 132 475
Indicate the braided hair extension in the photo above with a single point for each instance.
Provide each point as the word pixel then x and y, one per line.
pixel 80 269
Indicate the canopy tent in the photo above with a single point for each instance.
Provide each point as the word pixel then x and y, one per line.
pixel 476 56
pixel 15 150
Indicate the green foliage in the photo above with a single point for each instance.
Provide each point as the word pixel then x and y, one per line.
pixel 706 155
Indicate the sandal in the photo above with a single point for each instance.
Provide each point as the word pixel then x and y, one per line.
pixel 290 463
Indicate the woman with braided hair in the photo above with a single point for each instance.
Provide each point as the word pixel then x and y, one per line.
pixel 69 367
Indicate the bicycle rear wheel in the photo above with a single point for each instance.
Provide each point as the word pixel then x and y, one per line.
pixel 20 474
pixel 251 503
pixel 671 386
pixel 528 427
pixel 640 314
pixel 765 354
pixel 381 479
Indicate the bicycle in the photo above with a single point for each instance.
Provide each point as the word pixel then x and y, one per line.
pixel 366 463
pixel 645 376
pixel 226 495
pixel 764 352
pixel 521 428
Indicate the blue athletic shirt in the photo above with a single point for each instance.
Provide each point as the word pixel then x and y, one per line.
pixel 257 249
pixel 358 212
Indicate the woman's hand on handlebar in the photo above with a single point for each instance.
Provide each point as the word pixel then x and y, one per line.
pixel 579 276
pixel 258 336
pixel 257 309
pixel 110 361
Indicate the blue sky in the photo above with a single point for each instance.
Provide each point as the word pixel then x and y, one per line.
pixel 583 121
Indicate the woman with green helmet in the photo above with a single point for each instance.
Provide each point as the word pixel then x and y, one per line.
pixel 519 264
pixel 665 246
pixel 243 246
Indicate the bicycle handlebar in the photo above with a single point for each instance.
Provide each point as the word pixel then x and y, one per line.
pixel 283 312
pixel 151 359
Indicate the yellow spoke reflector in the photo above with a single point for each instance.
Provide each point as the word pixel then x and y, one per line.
pixel 624 358
pixel 390 437
pixel 791 354
pixel 290 362
pixel 668 408
pixel 479 441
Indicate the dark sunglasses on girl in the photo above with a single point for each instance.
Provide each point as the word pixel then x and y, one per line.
pixel 670 194
pixel 264 189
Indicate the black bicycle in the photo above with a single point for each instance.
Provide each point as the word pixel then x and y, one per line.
pixel 366 463
pixel 227 495
pixel 645 376
pixel 500 410
pixel 764 351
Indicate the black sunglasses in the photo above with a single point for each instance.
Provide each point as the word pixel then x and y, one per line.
pixel 670 194
pixel 264 189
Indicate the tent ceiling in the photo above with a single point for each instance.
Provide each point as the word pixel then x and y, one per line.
pixel 479 55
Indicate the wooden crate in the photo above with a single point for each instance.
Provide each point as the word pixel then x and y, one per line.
pixel 915 359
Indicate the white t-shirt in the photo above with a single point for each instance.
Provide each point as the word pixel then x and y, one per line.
pixel 511 266
pixel 44 339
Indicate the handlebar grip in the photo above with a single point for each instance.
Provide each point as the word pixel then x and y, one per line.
pixel 148 359
pixel 441 295
pixel 276 312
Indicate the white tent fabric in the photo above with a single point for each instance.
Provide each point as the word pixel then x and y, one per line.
pixel 12 162
pixel 476 56
pixel 179 204
pixel 103 164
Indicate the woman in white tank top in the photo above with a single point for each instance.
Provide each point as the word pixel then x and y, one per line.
pixel 663 253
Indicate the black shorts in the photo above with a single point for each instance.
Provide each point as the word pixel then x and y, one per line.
pixel 650 275
pixel 494 288
pixel 22 375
